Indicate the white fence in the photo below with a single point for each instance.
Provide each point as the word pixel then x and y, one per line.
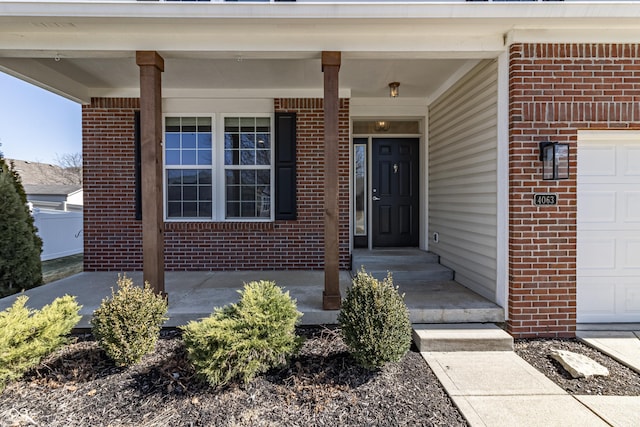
pixel 61 233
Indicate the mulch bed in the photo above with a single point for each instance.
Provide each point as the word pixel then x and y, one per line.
pixel 621 381
pixel 79 386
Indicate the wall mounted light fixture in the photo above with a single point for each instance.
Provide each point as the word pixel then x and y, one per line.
pixel 555 160
pixel 382 126
pixel 393 89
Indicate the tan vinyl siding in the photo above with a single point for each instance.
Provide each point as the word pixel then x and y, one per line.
pixel 463 178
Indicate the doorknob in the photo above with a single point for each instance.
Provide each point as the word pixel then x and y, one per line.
pixel 376 198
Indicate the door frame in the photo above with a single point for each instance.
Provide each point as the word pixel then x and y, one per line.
pixel 422 178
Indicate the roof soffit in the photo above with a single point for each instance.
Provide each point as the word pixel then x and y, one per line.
pixel 27 28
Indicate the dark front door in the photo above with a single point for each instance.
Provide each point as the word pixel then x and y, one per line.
pixel 395 191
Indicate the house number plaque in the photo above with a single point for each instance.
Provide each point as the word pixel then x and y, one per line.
pixel 545 199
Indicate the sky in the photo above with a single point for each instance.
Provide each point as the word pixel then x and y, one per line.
pixel 36 124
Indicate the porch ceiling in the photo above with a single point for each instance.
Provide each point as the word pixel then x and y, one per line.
pixel 238 74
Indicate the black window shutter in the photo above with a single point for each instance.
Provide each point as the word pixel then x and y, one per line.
pixel 285 165
pixel 138 165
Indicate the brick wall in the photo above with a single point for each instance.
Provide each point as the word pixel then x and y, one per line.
pixel 295 244
pixel 554 90
pixel 113 236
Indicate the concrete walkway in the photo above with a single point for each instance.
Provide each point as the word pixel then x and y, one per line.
pixel 623 346
pixel 498 388
pixel 501 389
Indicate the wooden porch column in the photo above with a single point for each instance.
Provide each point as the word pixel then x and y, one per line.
pixel 151 67
pixel 331 294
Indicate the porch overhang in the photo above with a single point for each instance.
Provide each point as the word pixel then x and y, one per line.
pixel 84 49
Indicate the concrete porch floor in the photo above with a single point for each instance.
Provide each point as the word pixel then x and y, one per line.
pixel 193 295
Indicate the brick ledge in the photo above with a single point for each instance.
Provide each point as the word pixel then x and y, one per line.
pixel 220 226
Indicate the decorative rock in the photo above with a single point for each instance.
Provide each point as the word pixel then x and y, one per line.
pixel 578 365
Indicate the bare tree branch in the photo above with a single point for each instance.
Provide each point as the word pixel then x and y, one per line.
pixel 71 164
pixel 67 170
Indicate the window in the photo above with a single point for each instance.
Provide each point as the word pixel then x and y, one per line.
pixel 360 193
pixel 202 185
pixel 247 162
pixel 188 159
pixel 360 187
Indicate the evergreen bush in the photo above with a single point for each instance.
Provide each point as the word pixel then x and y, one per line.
pixel 241 340
pixel 27 335
pixel 20 246
pixel 374 321
pixel 127 326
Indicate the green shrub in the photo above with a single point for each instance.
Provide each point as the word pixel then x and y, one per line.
pixel 127 326
pixel 20 246
pixel 241 340
pixel 375 321
pixel 29 335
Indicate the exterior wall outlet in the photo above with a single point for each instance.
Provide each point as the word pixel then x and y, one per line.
pixel 436 237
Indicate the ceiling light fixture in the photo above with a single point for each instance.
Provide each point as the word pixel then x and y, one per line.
pixel 382 126
pixel 393 89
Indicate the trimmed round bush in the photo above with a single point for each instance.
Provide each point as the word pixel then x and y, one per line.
pixel 374 321
pixel 127 326
pixel 240 341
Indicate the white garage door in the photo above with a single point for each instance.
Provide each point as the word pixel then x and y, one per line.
pixel 608 227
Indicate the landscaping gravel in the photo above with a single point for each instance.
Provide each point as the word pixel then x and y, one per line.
pixel 621 381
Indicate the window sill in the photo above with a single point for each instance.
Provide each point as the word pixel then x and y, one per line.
pixel 220 226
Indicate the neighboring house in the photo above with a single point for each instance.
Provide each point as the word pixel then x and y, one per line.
pixel 50 186
pixel 38 173
pixel 56 207
pixel 55 197
pixel 237 136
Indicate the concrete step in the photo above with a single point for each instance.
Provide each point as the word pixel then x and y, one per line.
pixel 392 256
pixel 461 337
pixel 406 274
pixel 406 265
